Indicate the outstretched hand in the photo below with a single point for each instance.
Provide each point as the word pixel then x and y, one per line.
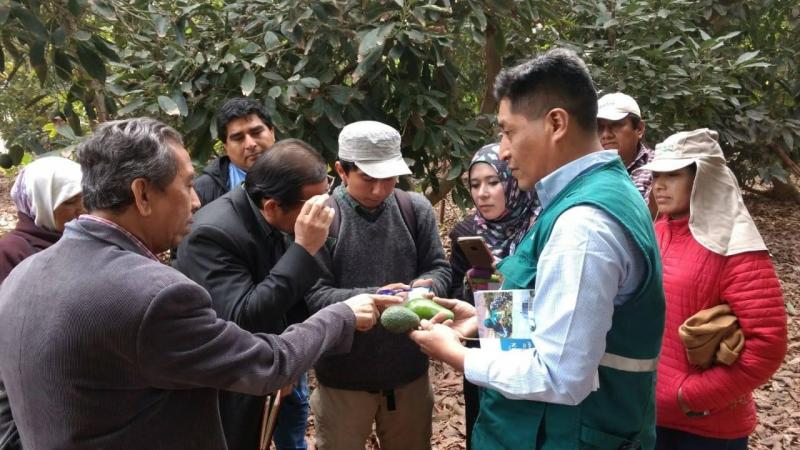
pixel 441 343
pixel 466 318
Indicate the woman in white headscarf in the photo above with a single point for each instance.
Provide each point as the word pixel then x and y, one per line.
pixel 47 194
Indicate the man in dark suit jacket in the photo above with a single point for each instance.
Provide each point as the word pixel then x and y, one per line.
pixel 254 254
pixel 102 346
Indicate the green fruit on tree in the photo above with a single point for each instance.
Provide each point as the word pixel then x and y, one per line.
pixel 399 319
pixel 5 161
pixel 426 309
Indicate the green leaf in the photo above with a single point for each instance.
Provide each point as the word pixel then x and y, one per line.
pixel 92 63
pixel 788 139
pixel 704 35
pixel 744 57
pixel 59 37
pixel 251 48
pixel 274 92
pixel 5 11
pixel 162 25
pixel 374 38
pixel 667 44
pixel 248 83
pixel 340 94
pixel 37 60
pixel 131 107
pixel 179 100
pixel 168 105
pixel 455 170
pixel 67 132
pixel 260 61
pixel 271 40
pixel 62 65
pixel 74 7
pixel 31 22
pixel 102 9
pixel 310 82
pixel 103 47
pixel 82 35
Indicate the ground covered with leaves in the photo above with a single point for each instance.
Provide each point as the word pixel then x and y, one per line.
pixel 778 400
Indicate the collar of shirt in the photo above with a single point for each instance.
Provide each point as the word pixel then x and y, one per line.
pixel 268 229
pixel 236 176
pixel 550 186
pixel 125 232
pixel 367 213
pixel 643 156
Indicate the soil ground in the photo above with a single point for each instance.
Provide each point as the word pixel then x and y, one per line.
pixel 778 400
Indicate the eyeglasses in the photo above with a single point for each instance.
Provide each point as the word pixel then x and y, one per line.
pixel 331 186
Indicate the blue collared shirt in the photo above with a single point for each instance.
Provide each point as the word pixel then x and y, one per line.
pixel 236 176
pixel 589 265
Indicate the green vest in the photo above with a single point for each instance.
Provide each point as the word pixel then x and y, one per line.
pixel 621 413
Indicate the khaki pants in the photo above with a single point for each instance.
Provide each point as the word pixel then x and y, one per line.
pixel 343 419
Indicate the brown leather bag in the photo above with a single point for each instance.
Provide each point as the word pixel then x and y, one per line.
pixel 712 336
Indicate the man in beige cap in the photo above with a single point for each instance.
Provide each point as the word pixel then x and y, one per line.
pixel 621 128
pixel 386 239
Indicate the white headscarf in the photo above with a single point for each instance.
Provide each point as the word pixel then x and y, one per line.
pixel 718 218
pixel 43 185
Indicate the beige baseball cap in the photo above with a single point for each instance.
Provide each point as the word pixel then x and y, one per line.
pixel 684 148
pixel 617 106
pixel 374 147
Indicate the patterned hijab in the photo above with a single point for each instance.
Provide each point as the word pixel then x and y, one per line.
pixel 504 233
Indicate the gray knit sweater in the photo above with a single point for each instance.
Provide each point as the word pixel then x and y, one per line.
pixel 366 256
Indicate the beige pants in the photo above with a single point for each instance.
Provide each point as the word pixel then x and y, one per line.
pixel 343 419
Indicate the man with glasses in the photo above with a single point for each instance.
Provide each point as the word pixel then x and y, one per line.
pixel 253 251
pixel 621 128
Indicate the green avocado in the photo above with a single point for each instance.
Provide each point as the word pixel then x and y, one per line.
pixel 426 309
pixel 399 319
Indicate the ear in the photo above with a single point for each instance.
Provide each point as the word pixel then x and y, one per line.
pixel 340 170
pixel 269 209
pixel 557 121
pixel 141 190
pixel 640 130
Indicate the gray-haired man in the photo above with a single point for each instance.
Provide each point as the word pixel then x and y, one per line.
pixel 103 346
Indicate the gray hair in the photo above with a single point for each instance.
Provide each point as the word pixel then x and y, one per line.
pixel 121 151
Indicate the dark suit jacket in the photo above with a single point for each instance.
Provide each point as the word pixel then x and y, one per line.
pixel 103 347
pixel 257 278
pixel 213 182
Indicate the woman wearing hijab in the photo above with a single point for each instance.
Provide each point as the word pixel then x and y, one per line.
pixel 725 323
pixel 47 194
pixel 503 215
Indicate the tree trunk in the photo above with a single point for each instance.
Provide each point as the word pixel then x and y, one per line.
pixel 492 60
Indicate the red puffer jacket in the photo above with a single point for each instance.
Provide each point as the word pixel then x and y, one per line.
pixel 695 279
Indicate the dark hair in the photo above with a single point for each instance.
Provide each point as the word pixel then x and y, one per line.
pixel 236 108
pixel 347 166
pixel 121 151
pixel 281 172
pixel 556 79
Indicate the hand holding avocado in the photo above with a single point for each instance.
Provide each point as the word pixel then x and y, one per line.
pixel 367 308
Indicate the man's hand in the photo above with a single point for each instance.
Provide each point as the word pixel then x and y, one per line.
pixel 466 318
pixel 384 301
pixel 365 310
pixel 312 224
pixel 441 343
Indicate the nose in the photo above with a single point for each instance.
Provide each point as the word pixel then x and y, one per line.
pixel 249 142
pixel 505 149
pixel 195 201
pixel 604 132
pixel 483 190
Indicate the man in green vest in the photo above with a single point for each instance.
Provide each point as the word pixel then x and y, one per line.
pixel 586 380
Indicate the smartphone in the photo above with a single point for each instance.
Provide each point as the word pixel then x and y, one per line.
pixel 476 251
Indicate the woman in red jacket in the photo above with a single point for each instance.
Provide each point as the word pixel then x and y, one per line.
pixel 712 254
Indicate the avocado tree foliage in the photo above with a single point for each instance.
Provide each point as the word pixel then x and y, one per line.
pixel 422 66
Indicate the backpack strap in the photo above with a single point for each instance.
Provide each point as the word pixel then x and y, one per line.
pixel 407 211
pixel 333 231
pixel 403 201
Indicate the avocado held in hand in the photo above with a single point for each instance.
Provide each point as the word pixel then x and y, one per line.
pixel 399 319
pixel 426 309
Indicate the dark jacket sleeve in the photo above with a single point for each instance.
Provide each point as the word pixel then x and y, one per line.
pixel 209 256
pixel 431 260
pixel 9 436
pixel 13 249
pixel 458 261
pixel 181 343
